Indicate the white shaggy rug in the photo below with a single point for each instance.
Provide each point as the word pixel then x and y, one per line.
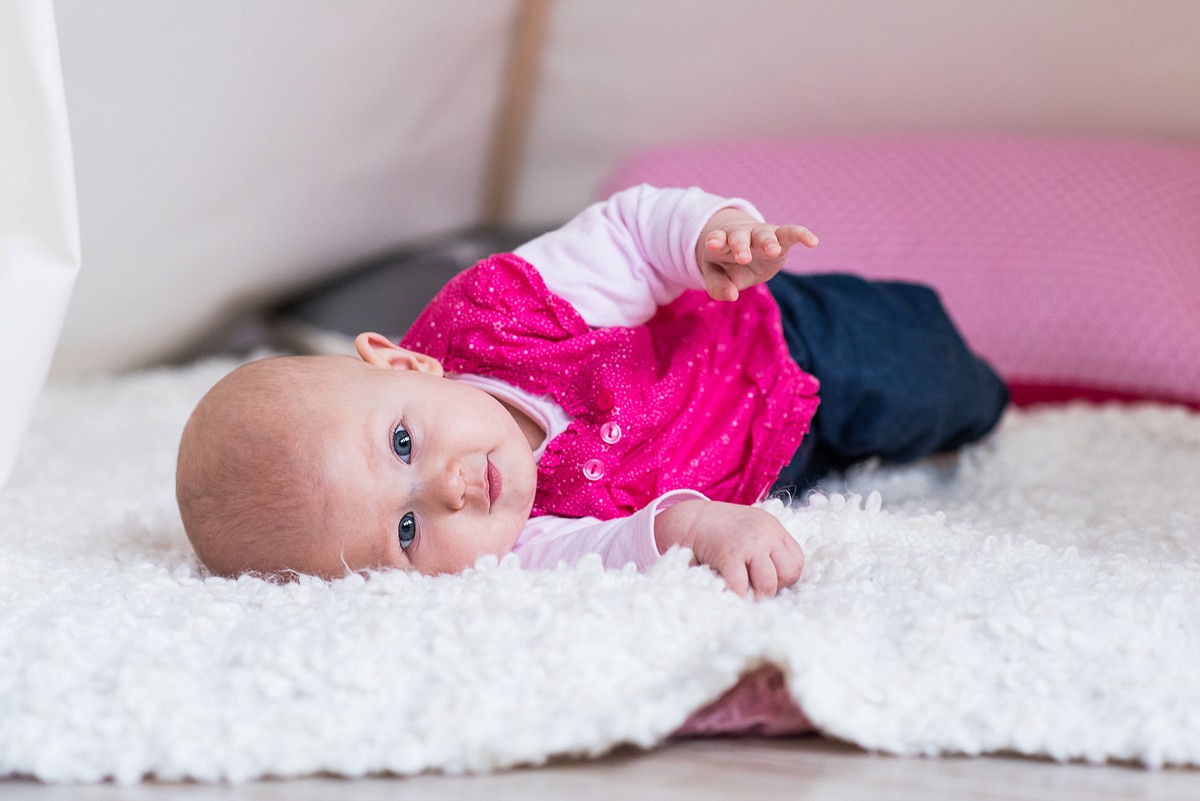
pixel 1039 595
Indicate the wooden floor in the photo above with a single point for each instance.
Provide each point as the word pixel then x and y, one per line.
pixel 807 768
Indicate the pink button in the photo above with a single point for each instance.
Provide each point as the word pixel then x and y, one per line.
pixel 593 469
pixel 610 433
pixel 604 399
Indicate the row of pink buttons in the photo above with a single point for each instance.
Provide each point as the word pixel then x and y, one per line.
pixel 593 469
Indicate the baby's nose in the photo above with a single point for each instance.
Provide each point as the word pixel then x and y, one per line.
pixel 453 486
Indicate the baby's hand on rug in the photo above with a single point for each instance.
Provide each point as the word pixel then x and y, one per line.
pixel 745 545
pixel 736 251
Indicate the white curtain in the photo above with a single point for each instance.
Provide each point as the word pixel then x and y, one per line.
pixel 39 229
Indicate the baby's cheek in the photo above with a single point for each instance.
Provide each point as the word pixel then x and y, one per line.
pixel 496 540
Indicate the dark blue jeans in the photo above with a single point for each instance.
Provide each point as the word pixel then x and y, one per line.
pixel 897 379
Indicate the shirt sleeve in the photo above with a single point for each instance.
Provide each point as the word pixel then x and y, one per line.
pixel 548 540
pixel 622 258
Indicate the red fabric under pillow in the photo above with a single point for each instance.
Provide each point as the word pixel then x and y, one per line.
pixel 1024 394
pixel 1073 266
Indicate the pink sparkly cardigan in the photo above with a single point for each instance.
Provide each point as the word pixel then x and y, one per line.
pixel 703 396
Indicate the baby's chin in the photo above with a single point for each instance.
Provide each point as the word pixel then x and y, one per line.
pixel 507 541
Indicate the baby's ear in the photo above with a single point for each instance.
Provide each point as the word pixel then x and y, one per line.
pixel 379 351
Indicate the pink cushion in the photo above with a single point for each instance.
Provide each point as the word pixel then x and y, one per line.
pixel 1066 263
pixel 758 705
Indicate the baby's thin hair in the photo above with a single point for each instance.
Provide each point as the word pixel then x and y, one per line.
pixel 247 486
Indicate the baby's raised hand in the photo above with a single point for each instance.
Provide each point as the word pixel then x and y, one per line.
pixel 747 546
pixel 736 251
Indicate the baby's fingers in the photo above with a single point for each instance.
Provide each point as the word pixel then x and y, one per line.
pixel 717 240
pixel 739 245
pixel 718 285
pixel 789 235
pixel 765 241
pixel 733 571
pixel 788 561
pixel 763 577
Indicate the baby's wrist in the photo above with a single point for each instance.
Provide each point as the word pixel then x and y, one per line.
pixel 676 525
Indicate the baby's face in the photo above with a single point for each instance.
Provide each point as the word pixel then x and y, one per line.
pixel 419 472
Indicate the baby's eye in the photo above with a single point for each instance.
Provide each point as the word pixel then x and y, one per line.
pixel 408 530
pixel 402 443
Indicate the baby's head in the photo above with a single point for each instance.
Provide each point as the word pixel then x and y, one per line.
pixel 329 464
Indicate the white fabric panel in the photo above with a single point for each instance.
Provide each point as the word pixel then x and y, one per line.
pixel 619 76
pixel 39 232
pixel 228 150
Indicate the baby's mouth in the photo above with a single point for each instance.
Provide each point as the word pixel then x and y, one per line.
pixel 494 484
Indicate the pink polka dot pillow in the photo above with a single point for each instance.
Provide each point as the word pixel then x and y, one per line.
pixel 1072 265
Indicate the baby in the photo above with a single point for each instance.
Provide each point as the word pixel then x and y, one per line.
pixel 582 395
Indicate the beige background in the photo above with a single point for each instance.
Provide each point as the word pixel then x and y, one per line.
pixel 227 150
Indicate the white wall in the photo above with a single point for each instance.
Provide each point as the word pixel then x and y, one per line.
pixel 623 74
pixel 227 149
